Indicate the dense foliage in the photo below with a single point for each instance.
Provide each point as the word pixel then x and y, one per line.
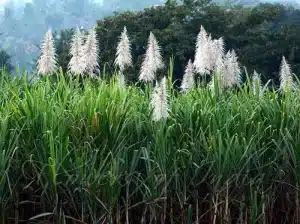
pixel 260 35
pixel 23 23
pixel 90 152
pixel 5 61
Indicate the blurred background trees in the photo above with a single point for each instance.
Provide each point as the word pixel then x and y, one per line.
pixel 260 33
pixel 5 61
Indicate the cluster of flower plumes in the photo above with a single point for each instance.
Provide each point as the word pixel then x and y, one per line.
pixel 84 54
pixel 84 60
pixel 152 62
pixel 210 59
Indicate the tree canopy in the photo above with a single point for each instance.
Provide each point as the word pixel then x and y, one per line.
pixel 23 24
pixel 260 35
pixel 5 61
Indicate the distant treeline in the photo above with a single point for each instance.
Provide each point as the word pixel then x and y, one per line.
pixel 260 35
pixel 23 24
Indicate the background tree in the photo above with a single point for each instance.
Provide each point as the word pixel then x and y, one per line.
pixel 260 35
pixel 25 23
pixel 5 61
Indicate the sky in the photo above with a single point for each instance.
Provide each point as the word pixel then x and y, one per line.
pixel 298 1
pixel 5 1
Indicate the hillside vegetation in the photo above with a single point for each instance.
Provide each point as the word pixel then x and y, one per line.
pixel 23 24
pixel 259 35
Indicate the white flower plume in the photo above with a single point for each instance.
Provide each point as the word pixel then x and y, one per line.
pixel 76 63
pixel 188 81
pixel 219 65
pixel 90 53
pixel 231 74
pixel 210 54
pixel 159 101
pixel 228 70
pixel 217 54
pixel 47 63
pixel 286 78
pixel 152 60
pixel 256 82
pixel 123 55
pixel 202 57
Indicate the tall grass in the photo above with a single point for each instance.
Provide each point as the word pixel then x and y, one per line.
pixel 73 152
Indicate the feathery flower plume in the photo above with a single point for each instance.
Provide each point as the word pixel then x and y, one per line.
pixel 152 60
pixel 47 62
pixel 159 101
pixel 76 64
pixel 188 81
pixel 219 66
pixel 123 55
pixel 256 82
pixel 201 61
pixel 232 73
pixel 218 51
pixel 286 78
pixel 210 54
pixel 90 53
